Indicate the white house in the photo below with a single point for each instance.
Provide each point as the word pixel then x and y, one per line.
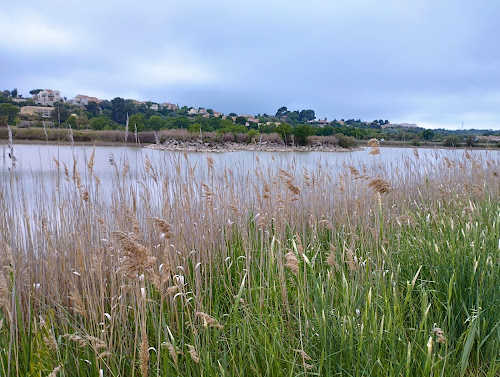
pixel 47 97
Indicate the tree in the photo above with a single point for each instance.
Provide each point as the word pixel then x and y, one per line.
pixel 10 111
pixel 452 141
pixel 284 130
pixel 241 120
pixel 93 109
pixel 156 123
pixel 137 120
pixel 14 93
pixel 307 115
pixel 302 132
pixel 252 134
pixel 427 134
pixel 293 116
pixel 470 140
pixel 194 128
pixel 71 121
pixel 282 111
pixel 61 113
pixel 82 121
pixel 119 114
pixel 3 121
pixel 100 123
pixel 106 105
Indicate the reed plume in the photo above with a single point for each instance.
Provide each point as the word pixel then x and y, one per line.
pixel 134 258
pixel 292 263
pixel 208 320
pixel 193 354
pixel 163 226
pixel 380 186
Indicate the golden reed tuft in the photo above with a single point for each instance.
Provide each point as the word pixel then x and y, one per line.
pixel 135 257
pixel 208 320
pixel 380 186
pixel 292 263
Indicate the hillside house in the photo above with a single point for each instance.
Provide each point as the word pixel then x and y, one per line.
pixel 47 97
pixel 83 100
pixel 44 112
pixel 170 106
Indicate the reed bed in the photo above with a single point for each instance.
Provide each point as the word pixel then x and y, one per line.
pixel 197 269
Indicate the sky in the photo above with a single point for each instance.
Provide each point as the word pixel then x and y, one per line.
pixel 435 63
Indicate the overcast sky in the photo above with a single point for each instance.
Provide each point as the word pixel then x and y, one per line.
pixel 431 62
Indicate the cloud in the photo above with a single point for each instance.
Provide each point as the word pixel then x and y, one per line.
pixel 173 67
pixel 28 33
pixel 426 61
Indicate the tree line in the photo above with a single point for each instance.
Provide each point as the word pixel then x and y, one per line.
pixel 293 126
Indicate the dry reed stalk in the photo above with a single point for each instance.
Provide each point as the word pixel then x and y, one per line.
pixel 210 163
pixel 307 179
pixel 292 263
pixel 208 320
pixel 76 338
pixel 164 275
pixel 375 151
pixel 266 191
pixel 50 340
pixel 55 371
pixel 415 153
pixel 290 184
pixel 234 210
pixel 144 351
pixel 132 220
pixel 373 143
pixel 326 224
pixel 135 257
pixel 77 302
pixel 96 343
pixel 4 291
pixel 331 259
pixel 147 165
pixel 173 352
pixel 352 260
pixel 163 226
pixel 103 355
pixel 85 196
pixel 208 194
pixel 91 162
pixel 407 220
pixel 193 354
pixel 300 247
pixel 379 185
pixel 354 171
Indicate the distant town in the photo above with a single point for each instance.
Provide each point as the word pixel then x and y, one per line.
pixel 48 108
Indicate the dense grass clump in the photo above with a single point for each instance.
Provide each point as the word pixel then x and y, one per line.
pixel 370 271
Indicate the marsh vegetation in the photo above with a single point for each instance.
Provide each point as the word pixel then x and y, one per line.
pixel 203 269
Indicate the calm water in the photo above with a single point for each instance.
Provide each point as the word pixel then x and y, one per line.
pixel 39 160
pixel 36 173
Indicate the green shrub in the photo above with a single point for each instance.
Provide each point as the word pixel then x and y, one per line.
pixel 452 141
pixel 346 141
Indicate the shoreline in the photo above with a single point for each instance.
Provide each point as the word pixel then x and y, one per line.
pixel 185 146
